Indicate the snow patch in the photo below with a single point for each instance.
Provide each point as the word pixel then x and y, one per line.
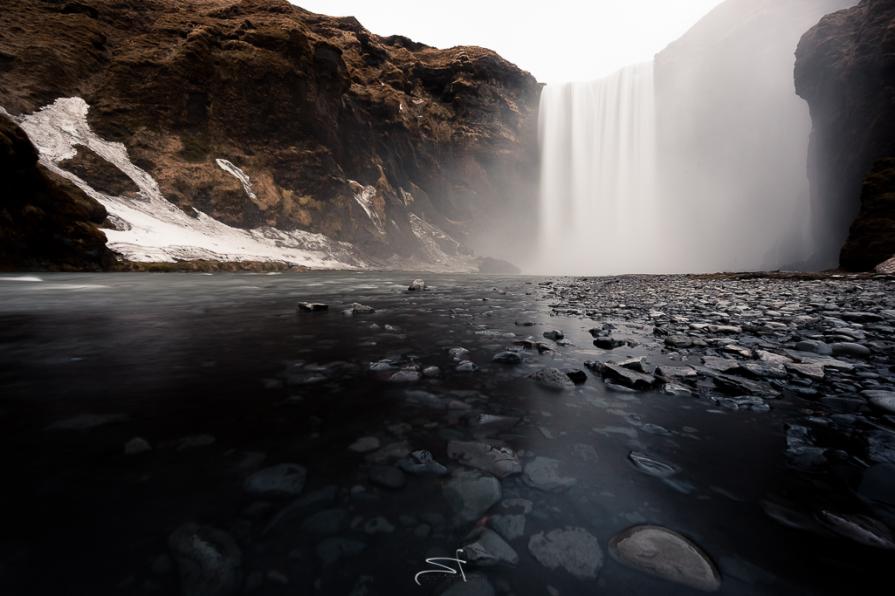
pixel 156 230
pixel 439 248
pixel 364 198
pixel 228 167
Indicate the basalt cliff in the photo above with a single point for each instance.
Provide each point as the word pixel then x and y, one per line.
pixel 733 136
pixel 845 69
pixel 255 130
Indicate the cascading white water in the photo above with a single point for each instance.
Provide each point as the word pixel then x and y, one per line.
pixel 600 211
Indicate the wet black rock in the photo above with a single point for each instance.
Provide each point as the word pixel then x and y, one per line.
pixel 312 307
pixel 651 466
pixel 387 476
pixel 417 285
pixel 360 309
pixel 553 379
pixel 884 400
pixel 282 480
pixel 333 550
pixel 628 377
pixel 507 357
pixel 554 335
pixel 544 474
pixel 575 550
pixel 421 462
pixel 471 494
pixel 499 461
pixel 608 343
pixel 577 376
pixel 860 528
pixel 208 561
pixel 486 548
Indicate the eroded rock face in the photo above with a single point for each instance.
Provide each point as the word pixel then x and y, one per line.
pixel 871 241
pixel 845 70
pixel 729 125
pixel 45 221
pixel 259 113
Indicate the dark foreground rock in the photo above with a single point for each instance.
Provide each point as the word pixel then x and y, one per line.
pixel 46 222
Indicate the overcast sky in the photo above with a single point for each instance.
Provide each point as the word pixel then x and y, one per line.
pixel 559 40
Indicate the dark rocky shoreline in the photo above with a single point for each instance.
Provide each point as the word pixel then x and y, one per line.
pixel 739 420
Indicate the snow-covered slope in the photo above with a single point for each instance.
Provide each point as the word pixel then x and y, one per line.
pixel 152 229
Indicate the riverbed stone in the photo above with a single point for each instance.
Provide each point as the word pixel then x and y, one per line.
pixel 572 549
pixel 553 379
pixel 281 480
pixel 208 561
pixel 499 461
pixel 665 554
pixel 470 494
pixel 884 400
pixel 544 474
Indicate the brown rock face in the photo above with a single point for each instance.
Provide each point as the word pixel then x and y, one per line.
pixel 45 221
pixel 311 108
pixel 845 69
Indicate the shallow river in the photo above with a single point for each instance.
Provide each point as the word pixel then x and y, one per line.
pixel 221 376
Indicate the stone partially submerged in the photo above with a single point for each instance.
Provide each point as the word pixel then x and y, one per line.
pixel 499 461
pixel 665 554
pixel 470 494
pixel 282 480
pixel 208 561
pixel 543 473
pixel 553 379
pixel 572 549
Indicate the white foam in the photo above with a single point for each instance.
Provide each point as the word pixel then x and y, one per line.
pixel 22 278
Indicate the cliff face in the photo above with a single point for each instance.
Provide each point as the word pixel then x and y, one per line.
pixel 845 70
pixel 45 221
pixel 871 240
pixel 263 116
pixel 733 135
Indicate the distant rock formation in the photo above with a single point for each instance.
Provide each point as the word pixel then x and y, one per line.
pixel 733 137
pixel 871 240
pixel 46 222
pixel 845 70
pixel 266 118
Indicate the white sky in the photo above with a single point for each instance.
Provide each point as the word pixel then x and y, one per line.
pixel 560 40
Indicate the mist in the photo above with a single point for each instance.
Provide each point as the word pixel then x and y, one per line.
pixel 701 169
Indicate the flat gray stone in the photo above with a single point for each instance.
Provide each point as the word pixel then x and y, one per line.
pixel 509 525
pixel 666 554
pixel 572 549
pixel 364 445
pixel 488 549
pixel 543 473
pixel 884 400
pixel 499 461
pixel 282 480
pixel 470 494
pixel 208 560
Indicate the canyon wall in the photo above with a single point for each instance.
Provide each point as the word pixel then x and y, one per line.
pixel 265 117
pixel 846 72
pixel 733 136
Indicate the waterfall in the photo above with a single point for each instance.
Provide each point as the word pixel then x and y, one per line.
pixel 600 213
